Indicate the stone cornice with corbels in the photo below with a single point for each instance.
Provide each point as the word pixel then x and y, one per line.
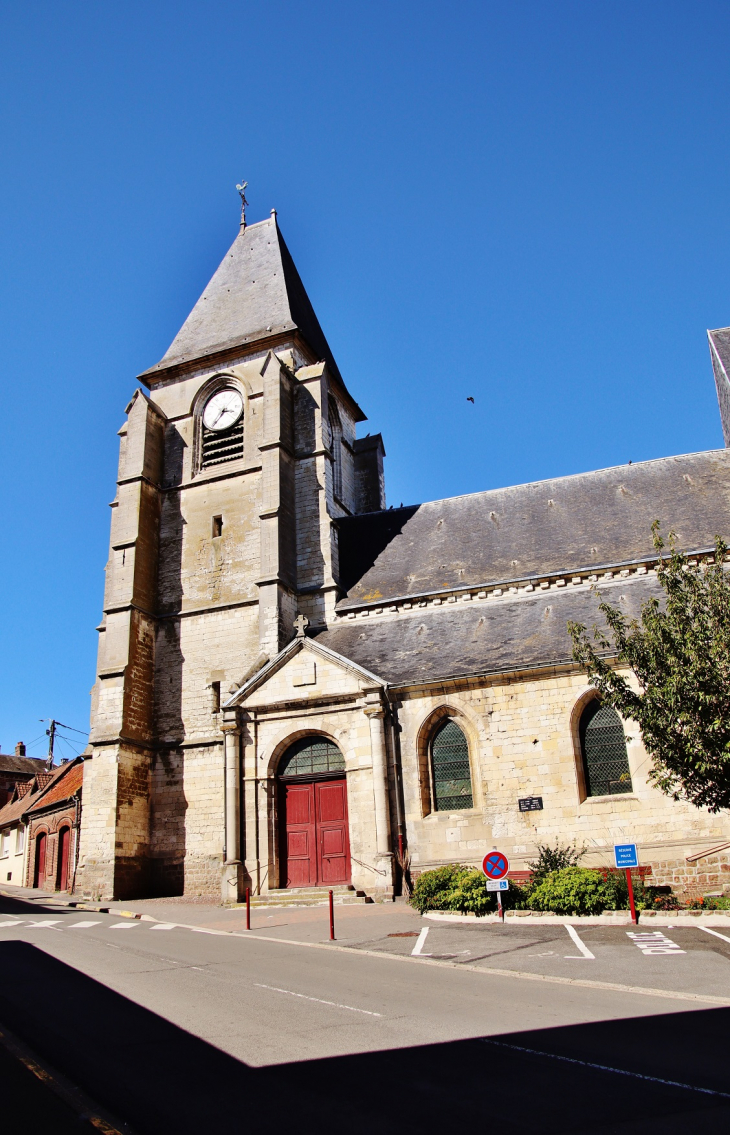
pixel 511 589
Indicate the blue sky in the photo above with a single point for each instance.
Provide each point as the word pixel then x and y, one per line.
pixel 526 203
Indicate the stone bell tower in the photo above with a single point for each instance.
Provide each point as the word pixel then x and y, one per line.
pixel 232 474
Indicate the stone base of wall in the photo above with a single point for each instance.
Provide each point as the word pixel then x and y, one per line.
pixel 690 880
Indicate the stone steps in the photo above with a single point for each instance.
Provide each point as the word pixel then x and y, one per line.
pixel 307 896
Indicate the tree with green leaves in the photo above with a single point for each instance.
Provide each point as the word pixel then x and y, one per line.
pixel 679 653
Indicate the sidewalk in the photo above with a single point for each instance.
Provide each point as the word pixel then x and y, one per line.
pixel 357 923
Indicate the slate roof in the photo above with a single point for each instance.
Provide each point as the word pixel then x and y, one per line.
pixel 462 640
pixel 565 524
pixel 26 766
pixel 720 355
pixel 255 293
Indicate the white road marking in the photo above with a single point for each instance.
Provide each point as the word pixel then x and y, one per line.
pixel 608 1068
pixel 18 922
pixel 707 930
pixel 50 922
pixel 123 925
pixel 163 926
pixel 584 951
pixel 654 942
pixel 83 925
pixel 420 943
pixel 319 1000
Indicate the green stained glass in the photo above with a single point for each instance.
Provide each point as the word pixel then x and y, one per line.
pixel 603 746
pixel 451 774
pixel 310 756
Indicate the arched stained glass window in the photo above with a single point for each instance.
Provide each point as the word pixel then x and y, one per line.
pixel 450 770
pixel 603 748
pixel 311 756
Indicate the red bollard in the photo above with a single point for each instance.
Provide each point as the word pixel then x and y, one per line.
pixel 332 916
pixel 630 887
pixel 248 908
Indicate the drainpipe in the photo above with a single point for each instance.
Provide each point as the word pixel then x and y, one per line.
pixel 397 774
pixel 77 829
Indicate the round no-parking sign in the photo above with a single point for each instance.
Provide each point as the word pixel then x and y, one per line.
pixel 495 865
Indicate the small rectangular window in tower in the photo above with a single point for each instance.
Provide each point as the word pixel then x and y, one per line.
pixel 217 526
pixel 215 697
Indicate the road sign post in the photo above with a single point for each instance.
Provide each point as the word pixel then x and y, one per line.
pixel 626 856
pixel 495 866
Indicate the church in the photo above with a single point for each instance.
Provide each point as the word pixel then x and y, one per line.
pixel 299 687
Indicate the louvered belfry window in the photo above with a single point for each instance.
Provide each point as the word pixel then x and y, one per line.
pixel 603 747
pixel 452 790
pixel 221 445
pixel 311 756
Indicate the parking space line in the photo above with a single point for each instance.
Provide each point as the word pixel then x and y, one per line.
pixel 717 934
pixel 608 1068
pixel 585 952
pixel 420 943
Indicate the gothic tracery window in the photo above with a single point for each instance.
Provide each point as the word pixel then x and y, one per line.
pixel 603 751
pixel 450 771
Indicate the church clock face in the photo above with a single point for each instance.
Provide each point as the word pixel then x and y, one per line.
pixel 222 410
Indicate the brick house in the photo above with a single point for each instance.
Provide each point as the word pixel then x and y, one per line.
pixel 15 769
pixel 53 816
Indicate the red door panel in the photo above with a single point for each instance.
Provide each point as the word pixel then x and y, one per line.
pixel 315 841
pixel 298 802
pixel 64 847
pixel 40 860
pixel 333 851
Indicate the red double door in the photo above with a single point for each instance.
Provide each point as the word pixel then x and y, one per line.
pixel 315 840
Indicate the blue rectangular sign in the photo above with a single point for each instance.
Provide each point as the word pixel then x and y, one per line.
pixel 625 855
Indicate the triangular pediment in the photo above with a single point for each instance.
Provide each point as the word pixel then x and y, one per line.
pixel 304 671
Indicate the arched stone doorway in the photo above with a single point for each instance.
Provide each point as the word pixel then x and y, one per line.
pixel 312 794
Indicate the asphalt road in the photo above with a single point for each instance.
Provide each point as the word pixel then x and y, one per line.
pixel 183 1029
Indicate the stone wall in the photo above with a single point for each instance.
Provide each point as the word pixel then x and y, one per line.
pixel 522 735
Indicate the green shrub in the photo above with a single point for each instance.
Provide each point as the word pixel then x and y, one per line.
pixel 433 888
pixel 555 858
pixel 643 897
pixel 461 889
pixel 572 890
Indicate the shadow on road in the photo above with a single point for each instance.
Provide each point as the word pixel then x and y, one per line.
pixel 162 1079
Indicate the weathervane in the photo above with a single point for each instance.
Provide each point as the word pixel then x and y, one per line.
pixel 242 193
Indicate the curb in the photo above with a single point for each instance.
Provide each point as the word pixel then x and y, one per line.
pixel 608 918
pixel 84 1107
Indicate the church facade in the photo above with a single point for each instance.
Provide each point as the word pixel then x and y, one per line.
pixel 297 686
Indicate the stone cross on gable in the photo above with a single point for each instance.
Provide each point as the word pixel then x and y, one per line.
pixel 301 623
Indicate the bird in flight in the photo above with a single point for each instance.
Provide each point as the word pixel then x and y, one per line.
pixel 470 399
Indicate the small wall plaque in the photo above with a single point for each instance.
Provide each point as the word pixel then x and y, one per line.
pixel 530 804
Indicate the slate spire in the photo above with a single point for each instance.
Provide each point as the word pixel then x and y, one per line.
pixel 720 355
pixel 255 294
